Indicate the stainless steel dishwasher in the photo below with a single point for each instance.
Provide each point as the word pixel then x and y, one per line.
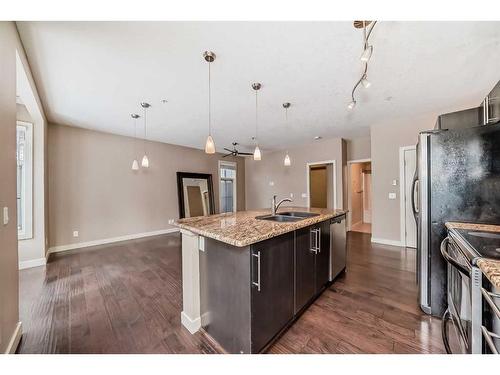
pixel 338 246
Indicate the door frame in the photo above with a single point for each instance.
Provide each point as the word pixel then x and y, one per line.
pixel 334 180
pixel 402 193
pixel 349 192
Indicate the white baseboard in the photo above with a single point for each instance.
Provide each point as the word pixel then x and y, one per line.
pixel 78 245
pixel 191 325
pixel 32 263
pixel 383 241
pixel 14 340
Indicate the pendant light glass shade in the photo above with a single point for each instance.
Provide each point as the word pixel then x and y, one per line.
pixel 210 145
pixel 135 165
pixel 256 153
pixel 287 161
pixel 367 53
pixel 145 162
pixel 351 105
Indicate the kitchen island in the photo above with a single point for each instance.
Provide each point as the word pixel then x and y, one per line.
pixel 248 275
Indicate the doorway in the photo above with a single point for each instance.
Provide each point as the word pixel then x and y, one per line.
pixel 360 196
pixel 321 185
pixel 407 167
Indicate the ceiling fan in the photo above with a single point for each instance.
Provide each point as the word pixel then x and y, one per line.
pixel 234 151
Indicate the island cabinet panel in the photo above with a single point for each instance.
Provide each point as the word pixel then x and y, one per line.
pixel 225 294
pixel 305 283
pixel 323 255
pixel 272 295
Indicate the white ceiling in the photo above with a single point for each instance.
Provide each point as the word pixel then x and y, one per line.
pixel 94 74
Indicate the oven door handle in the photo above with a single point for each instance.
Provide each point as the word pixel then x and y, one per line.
pixel 444 331
pixel 450 259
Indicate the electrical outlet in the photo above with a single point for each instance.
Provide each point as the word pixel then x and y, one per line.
pixel 271 183
pixel 304 195
pixel 75 233
pixel 170 221
pixel 392 195
pixel 291 195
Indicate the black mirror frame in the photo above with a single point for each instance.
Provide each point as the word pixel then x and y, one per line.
pixel 180 190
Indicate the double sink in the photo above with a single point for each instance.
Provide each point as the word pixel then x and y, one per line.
pixel 284 217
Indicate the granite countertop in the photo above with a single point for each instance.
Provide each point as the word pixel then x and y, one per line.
pixel 489 267
pixel 242 228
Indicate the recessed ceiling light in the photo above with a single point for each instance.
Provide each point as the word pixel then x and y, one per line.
pixel 317 138
pixel 164 101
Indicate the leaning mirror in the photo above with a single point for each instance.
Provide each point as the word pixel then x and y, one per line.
pixel 196 195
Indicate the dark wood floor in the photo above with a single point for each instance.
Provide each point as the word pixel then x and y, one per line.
pixel 127 298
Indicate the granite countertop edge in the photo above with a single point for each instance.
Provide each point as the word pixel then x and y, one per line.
pixel 267 229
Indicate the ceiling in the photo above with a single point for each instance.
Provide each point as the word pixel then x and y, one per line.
pixel 94 75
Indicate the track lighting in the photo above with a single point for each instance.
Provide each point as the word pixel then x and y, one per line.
pixel 366 84
pixel 367 53
pixel 365 58
pixel 209 144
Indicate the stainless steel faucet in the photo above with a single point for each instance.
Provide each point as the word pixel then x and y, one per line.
pixel 274 206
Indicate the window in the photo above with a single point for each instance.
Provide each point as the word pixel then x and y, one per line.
pixel 227 186
pixel 24 155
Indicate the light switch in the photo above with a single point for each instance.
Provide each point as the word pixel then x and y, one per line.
pixel 5 215
pixel 304 195
pixel 394 182
pixel 271 183
pixel 75 233
pixel 392 195
pixel 291 195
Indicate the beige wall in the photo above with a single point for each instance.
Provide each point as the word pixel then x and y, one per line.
pixel 386 139
pixel 358 148
pixel 292 179
pixel 9 282
pixel 93 190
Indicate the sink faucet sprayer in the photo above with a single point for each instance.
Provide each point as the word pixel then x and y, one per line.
pixel 274 206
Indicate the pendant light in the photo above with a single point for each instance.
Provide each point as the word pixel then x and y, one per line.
pixel 145 160
pixel 209 144
pixel 135 164
pixel 256 154
pixel 287 161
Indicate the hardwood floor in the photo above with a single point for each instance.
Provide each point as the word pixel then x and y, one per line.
pixel 127 298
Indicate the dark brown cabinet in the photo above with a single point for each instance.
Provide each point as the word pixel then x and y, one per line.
pixel 312 262
pixel 305 283
pixel 250 294
pixel 272 288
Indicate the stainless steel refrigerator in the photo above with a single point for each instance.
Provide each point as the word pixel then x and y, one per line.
pixel 457 179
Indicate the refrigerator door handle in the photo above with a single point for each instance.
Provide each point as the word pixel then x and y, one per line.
pixel 414 188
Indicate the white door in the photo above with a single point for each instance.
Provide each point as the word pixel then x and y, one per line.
pixel 410 157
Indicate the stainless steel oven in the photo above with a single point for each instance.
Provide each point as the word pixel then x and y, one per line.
pixel 464 312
